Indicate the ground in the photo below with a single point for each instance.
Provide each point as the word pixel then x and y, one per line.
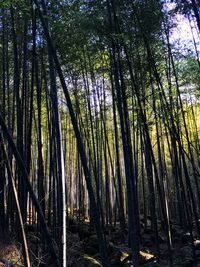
pixel 83 251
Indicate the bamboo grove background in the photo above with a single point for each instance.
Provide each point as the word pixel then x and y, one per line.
pixel 99 117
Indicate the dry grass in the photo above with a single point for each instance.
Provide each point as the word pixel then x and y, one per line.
pixel 11 252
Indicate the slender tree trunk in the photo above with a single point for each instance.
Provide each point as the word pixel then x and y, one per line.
pixel 36 203
pixel 94 209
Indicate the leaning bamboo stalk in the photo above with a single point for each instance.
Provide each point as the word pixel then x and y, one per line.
pixel 24 244
pixel 50 241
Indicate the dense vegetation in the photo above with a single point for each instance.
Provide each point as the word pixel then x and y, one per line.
pixel 99 129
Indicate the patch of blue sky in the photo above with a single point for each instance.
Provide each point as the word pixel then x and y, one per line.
pixel 184 33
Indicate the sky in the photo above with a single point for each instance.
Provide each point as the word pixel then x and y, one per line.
pixel 182 35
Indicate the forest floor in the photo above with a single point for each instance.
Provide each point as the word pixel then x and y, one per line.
pixel 185 252
pixel 83 251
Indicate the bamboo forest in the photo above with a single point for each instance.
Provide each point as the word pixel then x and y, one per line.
pixel 99 133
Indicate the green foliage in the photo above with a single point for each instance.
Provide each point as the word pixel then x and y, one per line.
pixel 150 16
pixel 5 3
pixel 189 71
